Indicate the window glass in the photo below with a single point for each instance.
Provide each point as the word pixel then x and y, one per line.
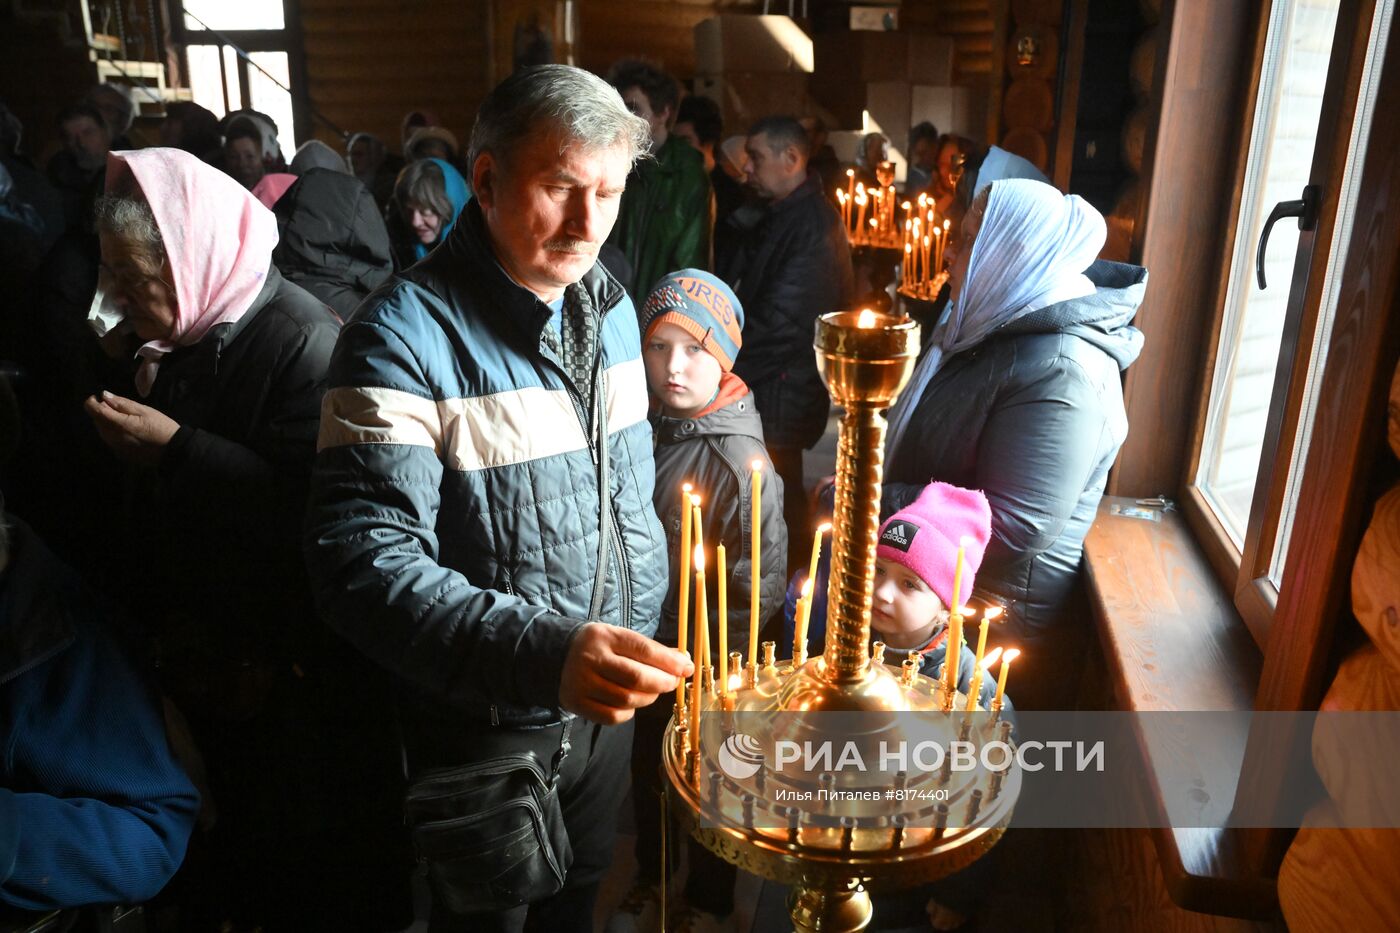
pixel 1341 242
pixel 245 14
pixel 1294 73
pixel 264 95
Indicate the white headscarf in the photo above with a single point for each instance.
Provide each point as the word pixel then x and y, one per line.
pixel 1029 253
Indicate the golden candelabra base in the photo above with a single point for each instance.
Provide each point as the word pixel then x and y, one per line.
pixel 878 239
pixel 927 290
pixel 835 847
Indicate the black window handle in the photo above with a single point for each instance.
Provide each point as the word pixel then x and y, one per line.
pixel 1304 209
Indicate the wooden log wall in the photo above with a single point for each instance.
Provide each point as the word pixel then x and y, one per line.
pixel 660 30
pixel 368 62
pixel 971 25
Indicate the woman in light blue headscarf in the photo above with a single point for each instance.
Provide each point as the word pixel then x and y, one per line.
pixel 428 196
pixel 1019 394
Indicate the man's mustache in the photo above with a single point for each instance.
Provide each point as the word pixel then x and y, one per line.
pixel 577 247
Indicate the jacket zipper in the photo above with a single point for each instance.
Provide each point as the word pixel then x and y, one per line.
pixel 624 575
pixel 624 581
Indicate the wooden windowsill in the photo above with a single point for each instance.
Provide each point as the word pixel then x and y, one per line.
pixel 1172 641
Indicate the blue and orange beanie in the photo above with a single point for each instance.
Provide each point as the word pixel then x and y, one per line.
pixel 703 306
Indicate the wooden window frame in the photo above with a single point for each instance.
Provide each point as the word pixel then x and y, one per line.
pixel 1245 572
pixel 288 39
pixel 1348 433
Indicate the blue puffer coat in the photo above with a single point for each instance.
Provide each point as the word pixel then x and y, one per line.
pixel 94 808
pixel 454 519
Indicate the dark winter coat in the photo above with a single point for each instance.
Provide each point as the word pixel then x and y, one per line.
pixel 791 267
pixel 714 453
pixel 331 239
pixel 664 222
pixel 94 808
pixel 454 523
pixel 221 518
pixel 1033 416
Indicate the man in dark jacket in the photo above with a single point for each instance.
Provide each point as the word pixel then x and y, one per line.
pixel 666 215
pixel 480 519
pixel 331 239
pixel 94 808
pixel 791 266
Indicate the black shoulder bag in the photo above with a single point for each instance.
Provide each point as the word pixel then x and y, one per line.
pixel 491 834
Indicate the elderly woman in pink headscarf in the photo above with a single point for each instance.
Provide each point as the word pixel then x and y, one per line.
pixel 231 366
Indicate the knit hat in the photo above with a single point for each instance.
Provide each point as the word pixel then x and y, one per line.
pixel 702 306
pixel 924 536
pixel 425 133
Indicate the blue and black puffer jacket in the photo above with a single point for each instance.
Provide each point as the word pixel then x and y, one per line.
pixel 454 522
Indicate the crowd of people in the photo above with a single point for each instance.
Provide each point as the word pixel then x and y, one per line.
pixel 343 493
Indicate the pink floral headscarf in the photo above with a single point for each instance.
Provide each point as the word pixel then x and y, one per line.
pixel 217 236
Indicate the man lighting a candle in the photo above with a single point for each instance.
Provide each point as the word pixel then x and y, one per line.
pixel 480 519
pixel 709 442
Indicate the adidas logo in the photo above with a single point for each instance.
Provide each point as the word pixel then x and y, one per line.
pixel 899 535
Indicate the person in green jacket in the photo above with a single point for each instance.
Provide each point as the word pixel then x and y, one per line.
pixel 667 212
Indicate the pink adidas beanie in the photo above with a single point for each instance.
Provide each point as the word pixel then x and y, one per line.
pixel 924 537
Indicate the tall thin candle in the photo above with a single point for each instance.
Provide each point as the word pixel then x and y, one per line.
pixel 977 666
pixel 804 614
pixel 755 551
pixel 1006 659
pixel 697 537
pixel 722 617
pixel 683 602
pixel 978 675
pixel 956 607
pixel 701 630
pixel 953 655
pixel 822 529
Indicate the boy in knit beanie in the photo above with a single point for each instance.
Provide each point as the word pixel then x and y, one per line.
pixel 915 563
pixel 707 434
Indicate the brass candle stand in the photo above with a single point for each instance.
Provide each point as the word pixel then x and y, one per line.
pixel 925 290
pixel 833 852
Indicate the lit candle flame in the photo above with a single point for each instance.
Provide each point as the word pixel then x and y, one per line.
pixel 1010 655
pixel 992 658
pixel 756 466
pixel 865 320
pixel 694 499
pixel 734 682
pixel 807 589
pixel 823 528
pixel 993 613
pixel 686 488
pixel 700 559
pixel 850 172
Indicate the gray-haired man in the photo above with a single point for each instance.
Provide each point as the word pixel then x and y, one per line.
pixel 481 518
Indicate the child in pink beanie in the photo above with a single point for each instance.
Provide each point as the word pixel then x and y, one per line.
pixel 915 563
